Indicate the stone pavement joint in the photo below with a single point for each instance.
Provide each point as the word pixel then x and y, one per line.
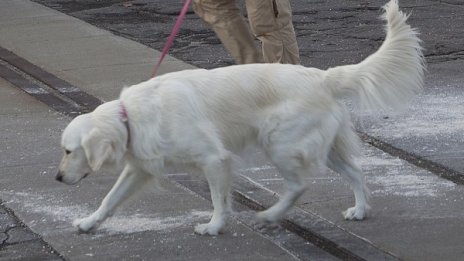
pixel 56 84
pixel 421 162
pixel 16 237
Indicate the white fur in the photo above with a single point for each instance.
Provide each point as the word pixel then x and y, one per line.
pixel 204 117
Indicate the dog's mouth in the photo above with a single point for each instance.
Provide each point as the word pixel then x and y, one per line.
pixel 79 180
pixel 83 177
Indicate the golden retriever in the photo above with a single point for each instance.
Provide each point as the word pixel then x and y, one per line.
pixel 202 118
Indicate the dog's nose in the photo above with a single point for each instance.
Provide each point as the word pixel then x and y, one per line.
pixel 59 177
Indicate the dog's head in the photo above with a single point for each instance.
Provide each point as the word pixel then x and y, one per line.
pixel 86 149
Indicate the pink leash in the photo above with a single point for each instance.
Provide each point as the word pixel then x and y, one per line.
pixel 171 37
pixel 167 45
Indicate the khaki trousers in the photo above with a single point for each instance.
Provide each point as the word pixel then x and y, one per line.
pixel 270 22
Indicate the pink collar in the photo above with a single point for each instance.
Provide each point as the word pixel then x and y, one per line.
pixel 123 112
pixel 125 119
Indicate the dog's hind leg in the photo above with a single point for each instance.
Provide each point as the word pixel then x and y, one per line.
pixel 293 172
pixel 348 168
pixel 128 182
pixel 218 174
pixel 295 189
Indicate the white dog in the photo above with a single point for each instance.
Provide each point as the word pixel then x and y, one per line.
pixel 204 117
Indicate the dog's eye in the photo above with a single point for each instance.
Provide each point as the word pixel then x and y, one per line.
pixel 67 152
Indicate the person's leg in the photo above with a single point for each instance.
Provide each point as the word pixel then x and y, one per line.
pixel 271 22
pixel 229 25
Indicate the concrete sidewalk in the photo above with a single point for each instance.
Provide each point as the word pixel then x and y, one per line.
pixel 416 215
pixel 93 59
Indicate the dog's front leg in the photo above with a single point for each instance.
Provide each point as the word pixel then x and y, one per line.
pixel 125 186
pixel 217 172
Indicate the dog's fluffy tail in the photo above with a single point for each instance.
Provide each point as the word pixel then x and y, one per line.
pixel 390 76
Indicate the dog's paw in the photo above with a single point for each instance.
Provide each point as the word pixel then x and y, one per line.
pixel 354 213
pixel 84 225
pixel 208 229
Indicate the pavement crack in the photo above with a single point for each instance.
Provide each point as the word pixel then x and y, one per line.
pixel 456 3
pixel 444 57
pixel 5 239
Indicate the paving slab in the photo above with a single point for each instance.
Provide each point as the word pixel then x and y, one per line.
pixel 16 240
pixel 94 59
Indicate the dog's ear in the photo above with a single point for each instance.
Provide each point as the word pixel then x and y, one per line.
pixel 97 149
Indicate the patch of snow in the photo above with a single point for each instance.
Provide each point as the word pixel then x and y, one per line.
pixel 257 169
pixel 139 223
pixel 430 115
pixel 50 209
pixel 393 176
